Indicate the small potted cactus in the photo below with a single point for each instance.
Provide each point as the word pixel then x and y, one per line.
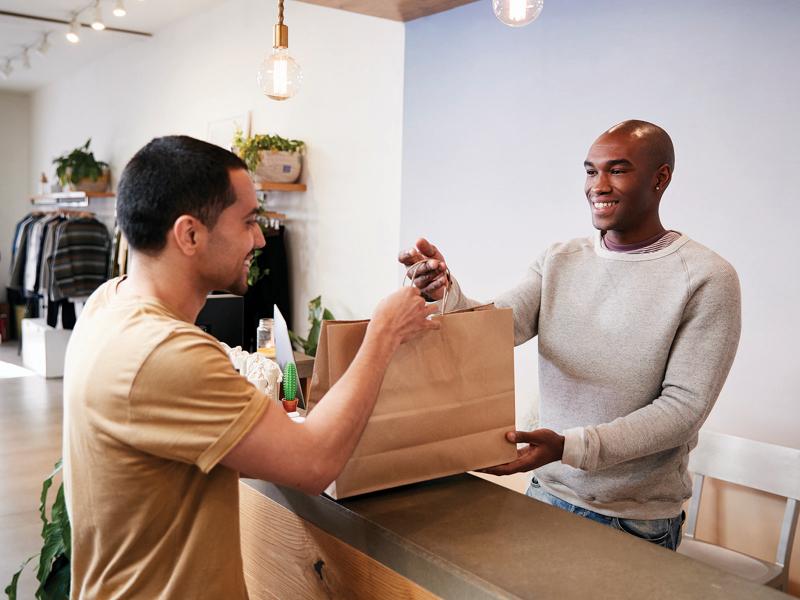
pixel 290 387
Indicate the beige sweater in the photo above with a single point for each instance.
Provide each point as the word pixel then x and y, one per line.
pixel 633 352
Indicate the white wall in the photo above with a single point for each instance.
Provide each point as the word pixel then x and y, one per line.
pixel 14 173
pixel 344 230
pixel 498 121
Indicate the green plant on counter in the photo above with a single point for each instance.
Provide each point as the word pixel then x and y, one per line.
pixel 290 381
pixel 247 148
pixel 79 164
pixel 316 314
pixel 54 559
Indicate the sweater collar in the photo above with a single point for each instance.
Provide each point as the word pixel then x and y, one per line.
pixel 603 252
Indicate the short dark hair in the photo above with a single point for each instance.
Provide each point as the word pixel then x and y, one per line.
pixel 172 176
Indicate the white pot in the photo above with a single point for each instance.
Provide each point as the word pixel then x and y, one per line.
pixel 280 167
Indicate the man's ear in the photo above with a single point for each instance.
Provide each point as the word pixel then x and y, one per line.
pixel 663 177
pixel 189 234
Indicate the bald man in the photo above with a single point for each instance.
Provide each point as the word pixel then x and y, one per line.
pixel 638 326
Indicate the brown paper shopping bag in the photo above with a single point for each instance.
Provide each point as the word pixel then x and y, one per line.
pixel 445 404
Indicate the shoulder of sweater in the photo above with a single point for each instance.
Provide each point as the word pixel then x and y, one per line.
pixel 708 270
pixel 703 260
pixel 572 246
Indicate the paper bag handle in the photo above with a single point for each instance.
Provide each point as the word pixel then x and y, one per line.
pixel 412 273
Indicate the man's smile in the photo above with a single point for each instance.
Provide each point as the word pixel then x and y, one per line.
pixel 603 207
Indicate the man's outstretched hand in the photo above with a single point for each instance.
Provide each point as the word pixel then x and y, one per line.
pixel 544 446
pixel 431 276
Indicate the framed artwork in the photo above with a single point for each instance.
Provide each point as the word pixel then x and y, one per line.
pixel 220 131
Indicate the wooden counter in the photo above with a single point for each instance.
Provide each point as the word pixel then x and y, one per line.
pixel 459 537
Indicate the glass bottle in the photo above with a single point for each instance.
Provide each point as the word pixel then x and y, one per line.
pixel 265 338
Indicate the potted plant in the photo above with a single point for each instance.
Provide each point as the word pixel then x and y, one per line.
pixel 54 559
pixel 316 314
pixel 270 157
pixel 80 171
pixel 290 387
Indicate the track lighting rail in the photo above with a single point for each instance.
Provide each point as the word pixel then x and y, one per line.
pixel 7 13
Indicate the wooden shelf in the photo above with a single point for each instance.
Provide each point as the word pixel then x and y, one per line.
pixel 271 186
pixel 396 10
pixel 69 198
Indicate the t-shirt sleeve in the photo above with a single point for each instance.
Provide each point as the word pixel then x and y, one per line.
pixel 188 403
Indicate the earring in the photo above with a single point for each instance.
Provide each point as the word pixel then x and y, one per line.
pixel 658 187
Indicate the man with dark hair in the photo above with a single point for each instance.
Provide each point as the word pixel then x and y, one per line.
pixel 638 327
pixel 169 177
pixel 157 424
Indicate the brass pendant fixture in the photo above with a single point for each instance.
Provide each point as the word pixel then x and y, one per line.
pixel 279 76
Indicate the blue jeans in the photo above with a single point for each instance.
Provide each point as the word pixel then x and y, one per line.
pixel 663 532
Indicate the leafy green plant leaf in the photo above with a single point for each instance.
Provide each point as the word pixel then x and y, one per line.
pixel 61 518
pixel 46 484
pixel 53 547
pixel 57 585
pixel 313 338
pixel 256 273
pixel 11 588
pixel 54 559
pixel 316 314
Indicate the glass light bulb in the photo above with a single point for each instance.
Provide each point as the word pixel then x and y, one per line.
pixel 279 76
pixel 119 9
pixel 97 22
pixel 516 13
pixel 72 34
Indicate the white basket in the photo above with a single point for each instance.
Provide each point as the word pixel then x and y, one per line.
pixel 280 167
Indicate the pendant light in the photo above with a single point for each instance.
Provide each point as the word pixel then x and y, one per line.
pixel 119 9
pixel 516 13
pixel 279 76
pixel 97 22
pixel 7 69
pixel 73 35
pixel 44 45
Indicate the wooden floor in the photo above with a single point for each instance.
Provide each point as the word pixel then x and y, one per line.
pixel 30 443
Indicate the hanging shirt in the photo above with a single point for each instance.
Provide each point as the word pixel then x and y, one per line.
pixel 80 259
pixel 17 272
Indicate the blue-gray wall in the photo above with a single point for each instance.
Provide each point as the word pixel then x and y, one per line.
pixel 497 122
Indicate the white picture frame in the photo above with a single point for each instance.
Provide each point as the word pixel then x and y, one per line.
pixel 220 131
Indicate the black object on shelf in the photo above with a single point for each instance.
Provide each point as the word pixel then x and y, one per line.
pixel 271 289
pixel 223 317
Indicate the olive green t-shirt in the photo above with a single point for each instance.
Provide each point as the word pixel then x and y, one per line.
pixel 151 405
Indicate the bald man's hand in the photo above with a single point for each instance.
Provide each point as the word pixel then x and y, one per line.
pixel 544 446
pixel 429 277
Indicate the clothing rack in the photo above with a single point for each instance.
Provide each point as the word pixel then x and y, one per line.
pixel 69 212
pixel 97 202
